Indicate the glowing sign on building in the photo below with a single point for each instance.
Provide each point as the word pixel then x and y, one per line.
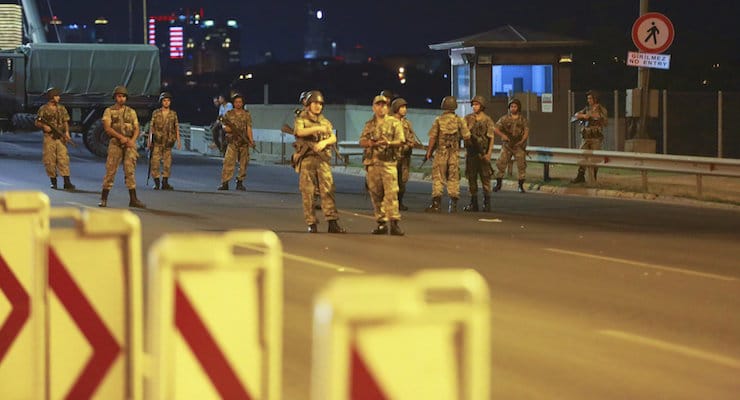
pixel 176 42
pixel 152 32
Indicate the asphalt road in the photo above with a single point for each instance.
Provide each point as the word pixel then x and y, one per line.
pixel 592 298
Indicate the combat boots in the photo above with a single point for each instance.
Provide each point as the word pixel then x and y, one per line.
pixel 434 207
pixel 156 183
pixel 497 187
pixel 521 186
pixel 486 203
pixel 68 184
pixel 395 229
pixel 401 206
pixel 166 184
pixel 133 200
pixel 53 181
pixel 453 205
pixel 381 229
pixel 240 186
pixel 335 228
pixel 581 177
pixel 473 206
pixel 312 228
pixel 104 198
pixel 224 186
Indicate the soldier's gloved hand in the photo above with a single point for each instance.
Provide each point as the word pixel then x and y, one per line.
pixel 46 129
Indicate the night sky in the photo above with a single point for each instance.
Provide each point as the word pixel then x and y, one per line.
pixel 392 27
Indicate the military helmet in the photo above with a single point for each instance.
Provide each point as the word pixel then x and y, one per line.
pixel 388 95
pixel 314 96
pixel 302 97
pixel 397 104
pixel 480 100
pixel 165 95
pixel 120 90
pixel 52 91
pixel 515 101
pixel 449 103
pixel 236 95
pixel 380 99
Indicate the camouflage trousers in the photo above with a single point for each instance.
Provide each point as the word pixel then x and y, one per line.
pixel 55 157
pixel 161 155
pixel 476 167
pixel 116 154
pixel 446 172
pixel 591 144
pixel 234 154
pixel 520 155
pixel 404 167
pixel 316 175
pixel 382 184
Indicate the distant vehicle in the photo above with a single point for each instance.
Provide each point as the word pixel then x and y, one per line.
pixel 86 75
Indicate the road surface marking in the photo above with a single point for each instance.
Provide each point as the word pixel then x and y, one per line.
pixel 370 217
pixel 489 220
pixel 674 348
pixel 4 183
pixel 322 264
pixel 645 265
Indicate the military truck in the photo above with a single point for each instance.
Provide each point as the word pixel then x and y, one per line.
pixel 86 74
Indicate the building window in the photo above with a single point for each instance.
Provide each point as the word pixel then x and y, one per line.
pixel 461 84
pixel 509 79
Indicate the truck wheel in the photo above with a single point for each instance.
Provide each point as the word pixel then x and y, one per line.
pixel 24 122
pixel 96 140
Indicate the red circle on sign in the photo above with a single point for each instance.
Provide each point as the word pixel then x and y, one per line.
pixel 643 18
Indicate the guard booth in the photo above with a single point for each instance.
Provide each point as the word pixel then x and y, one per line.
pixel 508 62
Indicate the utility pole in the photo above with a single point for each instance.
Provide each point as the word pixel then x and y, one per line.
pixel 130 21
pixel 643 83
pixel 146 23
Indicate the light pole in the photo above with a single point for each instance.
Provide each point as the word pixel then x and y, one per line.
pixel 643 83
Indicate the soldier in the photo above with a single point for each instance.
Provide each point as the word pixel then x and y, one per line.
pixel 444 137
pixel 314 135
pixel 53 119
pixel 164 133
pixel 238 126
pixel 122 125
pixel 382 138
pixel 593 119
pixel 478 154
pixel 513 128
pixel 302 100
pixel 399 108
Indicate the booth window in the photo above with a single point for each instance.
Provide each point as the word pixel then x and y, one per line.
pixel 462 81
pixel 522 78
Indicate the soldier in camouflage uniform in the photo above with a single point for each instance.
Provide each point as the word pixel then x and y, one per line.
pixel 513 128
pixel 164 133
pixel 53 119
pixel 314 134
pixel 122 125
pixel 444 138
pixel 593 119
pixel 382 138
pixel 240 139
pixel 478 154
pixel 399 108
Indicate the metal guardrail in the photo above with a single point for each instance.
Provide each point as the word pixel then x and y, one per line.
pixel 699 166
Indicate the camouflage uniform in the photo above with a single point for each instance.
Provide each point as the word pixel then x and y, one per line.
pixel 124 121
pixel 404 162
pixel 592 131
pixel 55 155
pixel 164 136
pixel 382 167
pixel 315 170
pixel 238 147
pixel 481 132
pixel 446 132
pixel 514 128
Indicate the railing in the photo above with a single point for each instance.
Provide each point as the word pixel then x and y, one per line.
pixel 699 166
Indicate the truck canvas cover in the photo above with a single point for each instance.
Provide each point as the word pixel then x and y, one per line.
pixel 92 69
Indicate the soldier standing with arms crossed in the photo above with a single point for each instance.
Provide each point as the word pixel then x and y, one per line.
pixel 238 126
pixel 513 128
pixel 444 137
pixel 479 150
pixel 382 138
pixel 122 125
pixel 53 120
pixel 593 119
pixel 399 108
pixel 165 132
pixel 316 134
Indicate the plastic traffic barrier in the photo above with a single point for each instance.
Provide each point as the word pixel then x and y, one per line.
pixel 215 312
pixel 421 337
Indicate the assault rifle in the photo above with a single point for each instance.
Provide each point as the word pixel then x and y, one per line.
pixel 225 121
pixel 56 134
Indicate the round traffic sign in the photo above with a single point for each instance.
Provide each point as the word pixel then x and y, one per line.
pixel 653 33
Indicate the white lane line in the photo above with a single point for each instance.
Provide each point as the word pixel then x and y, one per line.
pixel 370 217
pixel 4 183
pixel 322 264
pixel 645 265
pixel 674 348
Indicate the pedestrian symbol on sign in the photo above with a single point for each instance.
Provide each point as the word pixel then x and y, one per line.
pixel 653 33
